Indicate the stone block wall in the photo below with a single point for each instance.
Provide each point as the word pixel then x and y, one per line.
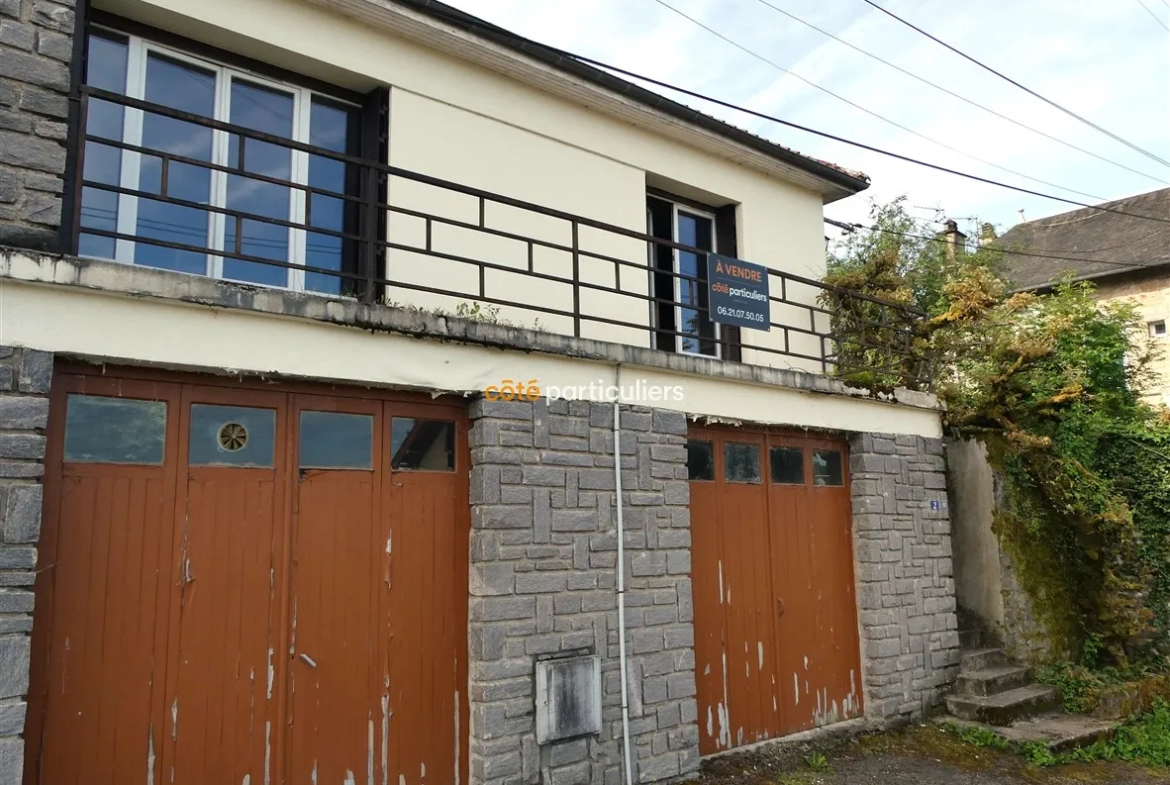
pixel 543 559
pixel 36 49
pixel 904 572
pixel 24 412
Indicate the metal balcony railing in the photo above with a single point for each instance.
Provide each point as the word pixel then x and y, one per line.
pixel 527 260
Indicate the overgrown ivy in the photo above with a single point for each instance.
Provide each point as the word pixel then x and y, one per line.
pixel 1053 384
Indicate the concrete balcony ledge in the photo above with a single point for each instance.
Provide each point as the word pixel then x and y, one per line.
pixel 113 278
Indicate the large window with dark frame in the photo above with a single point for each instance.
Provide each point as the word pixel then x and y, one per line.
pixel 154 208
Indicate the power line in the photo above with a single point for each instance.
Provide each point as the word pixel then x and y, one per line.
pixel 963 98
pixel 1027 90
pixel 869 112
pixel 1151 13
pixel 529 46
pixel 851 227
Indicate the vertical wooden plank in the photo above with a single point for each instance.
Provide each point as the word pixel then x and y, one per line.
pixel 94 664
pixel 334 725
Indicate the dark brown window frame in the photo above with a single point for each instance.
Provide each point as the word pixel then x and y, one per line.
pixel 371 134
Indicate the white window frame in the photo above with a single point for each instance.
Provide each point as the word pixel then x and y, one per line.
pixel 137 56
pixel 675 209
pixel 1153 327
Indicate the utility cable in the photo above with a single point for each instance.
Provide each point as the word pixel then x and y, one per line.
pixel 851 227
pixel 542 52
pixel 1156 19
pixel 962 98
pixel 1027 90
pixel 869 112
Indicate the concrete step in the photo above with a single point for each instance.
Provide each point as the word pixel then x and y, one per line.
pixel 1006 707
pixel 1058 732
pixel 980 659
pixel 991 681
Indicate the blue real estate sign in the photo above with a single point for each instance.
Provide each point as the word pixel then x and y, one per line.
pixel 738 292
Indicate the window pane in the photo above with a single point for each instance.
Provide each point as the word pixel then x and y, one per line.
pixel 270 111
pixel 700 460
pixel 787 465
pixel 190 89
pixel 105 68
pixel 699 338
pixel 741 462
pixel 330 440
pixel 333 128
pixel 232 436
pixel 115 430
pixel 422 444
pixel 827 468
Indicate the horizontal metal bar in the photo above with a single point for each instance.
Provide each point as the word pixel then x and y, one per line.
pixel 456 187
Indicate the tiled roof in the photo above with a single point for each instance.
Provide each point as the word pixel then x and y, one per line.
pixel 1090 243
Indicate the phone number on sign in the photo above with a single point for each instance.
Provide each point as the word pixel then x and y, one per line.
pixel 739 313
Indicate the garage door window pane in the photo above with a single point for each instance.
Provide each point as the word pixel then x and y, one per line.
pixel 787 465
pixel 741 462
pixel 427 445
pixel 330 440
pixel 700 460
pixel 232 436
pixel 115 430
pixel 827 468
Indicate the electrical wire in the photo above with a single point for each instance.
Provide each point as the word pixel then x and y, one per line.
pixel 962 98
pixel 1155 16
pixel 1027 90
pixel 852 227
pixel 869 112
pixel 526 45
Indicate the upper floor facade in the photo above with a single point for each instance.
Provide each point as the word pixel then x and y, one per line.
pixel 406 154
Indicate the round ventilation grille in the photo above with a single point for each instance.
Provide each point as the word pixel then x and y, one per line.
pixel 233 437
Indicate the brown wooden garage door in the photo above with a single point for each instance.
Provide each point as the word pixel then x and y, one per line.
pixel 776 639
pixel 246 585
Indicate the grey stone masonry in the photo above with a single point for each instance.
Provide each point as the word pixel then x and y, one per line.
pixel 36 48
pixel 24 412
pixel 543 560
pixel 905 579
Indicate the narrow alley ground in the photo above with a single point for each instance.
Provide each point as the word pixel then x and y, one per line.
pixel 917 756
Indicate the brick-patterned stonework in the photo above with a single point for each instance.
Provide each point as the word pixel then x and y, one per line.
pixel 36 48
pixel 905 583
pixel 24 412
pixel 543 557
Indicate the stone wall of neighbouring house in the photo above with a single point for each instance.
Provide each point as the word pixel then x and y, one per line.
pixel 987 581
pixel 36 48
pixel 905 584
pixel 24 411
pixel 543 557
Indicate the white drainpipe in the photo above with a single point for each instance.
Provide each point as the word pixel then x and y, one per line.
pixel 621 588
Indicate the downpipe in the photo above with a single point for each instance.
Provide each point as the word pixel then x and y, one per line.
pixel 621 591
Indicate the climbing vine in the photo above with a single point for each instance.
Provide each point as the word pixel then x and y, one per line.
pixel 1052 383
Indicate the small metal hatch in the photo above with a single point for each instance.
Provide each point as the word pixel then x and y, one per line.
pixel 568 697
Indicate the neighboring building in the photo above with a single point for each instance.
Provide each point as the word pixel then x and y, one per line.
pixel 1126 258
pixel 274 529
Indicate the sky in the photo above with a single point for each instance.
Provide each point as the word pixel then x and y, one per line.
pixel 1106 60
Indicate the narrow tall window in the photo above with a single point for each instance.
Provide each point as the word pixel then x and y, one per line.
pixel 679 275
pixel 159 209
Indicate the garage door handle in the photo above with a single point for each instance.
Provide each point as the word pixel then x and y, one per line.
pixel 779 607
pixel 308 659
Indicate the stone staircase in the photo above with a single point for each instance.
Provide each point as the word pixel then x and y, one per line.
pixel 995 693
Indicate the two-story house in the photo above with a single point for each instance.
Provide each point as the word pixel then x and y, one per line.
pixel 1127 259
pixel 271 509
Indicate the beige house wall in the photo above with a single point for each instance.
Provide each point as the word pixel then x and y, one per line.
pixel 460 121
pixel 1151 295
